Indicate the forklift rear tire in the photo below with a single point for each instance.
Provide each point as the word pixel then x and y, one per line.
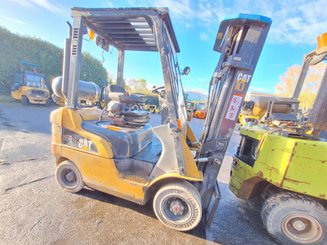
pixel 178 206
pixel 69 177
pixel 294 219
pixel 25 100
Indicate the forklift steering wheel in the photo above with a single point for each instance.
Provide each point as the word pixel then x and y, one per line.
pixel 158 90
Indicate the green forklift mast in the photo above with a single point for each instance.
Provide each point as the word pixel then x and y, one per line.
pixel 239 42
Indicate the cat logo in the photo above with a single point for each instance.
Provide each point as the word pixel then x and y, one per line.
pixel 84 144
pixel 241 81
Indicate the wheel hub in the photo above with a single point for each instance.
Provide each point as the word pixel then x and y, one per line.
pixel 299 225
pixel 302 228
pixel 70 176
pixel 176 207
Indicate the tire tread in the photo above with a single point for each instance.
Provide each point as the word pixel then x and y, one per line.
pixel 288 199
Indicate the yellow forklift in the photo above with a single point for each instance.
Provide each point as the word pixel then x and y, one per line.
pixel 117 151
pixel 29 86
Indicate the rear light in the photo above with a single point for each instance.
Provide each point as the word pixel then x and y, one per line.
pixel 179 124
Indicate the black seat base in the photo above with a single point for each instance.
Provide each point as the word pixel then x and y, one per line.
pixel 142 163
pixel 126 142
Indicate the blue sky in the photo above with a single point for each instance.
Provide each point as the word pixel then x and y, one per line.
pixel 296 23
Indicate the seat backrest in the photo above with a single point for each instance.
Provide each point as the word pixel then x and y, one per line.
pixel 116 89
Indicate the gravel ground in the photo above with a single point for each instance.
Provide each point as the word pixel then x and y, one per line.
pixel 35 210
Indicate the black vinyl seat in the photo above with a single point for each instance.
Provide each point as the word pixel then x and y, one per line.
pixel 122 106
pixel 118 93
pixel 126 142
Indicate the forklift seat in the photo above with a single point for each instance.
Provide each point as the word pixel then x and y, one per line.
pixel 126 142
pixel 120 107
pixel 118 93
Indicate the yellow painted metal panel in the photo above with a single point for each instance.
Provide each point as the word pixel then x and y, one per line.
pixel 101 173
pixel 308 169
pixel 299 165
pixel 190 167
pixel 273 158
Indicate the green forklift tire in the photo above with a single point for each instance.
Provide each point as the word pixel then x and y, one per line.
pixel 294 219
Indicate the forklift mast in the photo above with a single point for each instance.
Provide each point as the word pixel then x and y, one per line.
pixel 240 42
pixel 310 59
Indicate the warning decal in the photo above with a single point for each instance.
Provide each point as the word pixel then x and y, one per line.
pixel 233 107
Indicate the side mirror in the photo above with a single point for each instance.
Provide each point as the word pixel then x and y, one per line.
pixel 186 70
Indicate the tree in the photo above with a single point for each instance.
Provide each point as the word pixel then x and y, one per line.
pixel 111 78
pixel 288 81
pixel 138 86
pixel 93 70
pixel 14 48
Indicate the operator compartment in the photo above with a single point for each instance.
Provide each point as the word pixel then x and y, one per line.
pixel 136 150
pixel 126 141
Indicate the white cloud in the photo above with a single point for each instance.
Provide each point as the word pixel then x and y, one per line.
pixel 24 3
pixel 12 20
pixel 204 37
pixel 294 21
pixel 179 9
pixel 44 4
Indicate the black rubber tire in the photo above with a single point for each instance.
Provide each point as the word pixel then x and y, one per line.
pixel 62 171
pixel 25 100
pixel 280 209
pixel 186 192
pixel 49 101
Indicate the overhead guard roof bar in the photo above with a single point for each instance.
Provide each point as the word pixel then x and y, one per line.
pixel 135 29
pixel 127 28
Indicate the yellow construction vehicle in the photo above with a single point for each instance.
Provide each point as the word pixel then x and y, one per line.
pixel 284 163
pixel 258 108
pixel 29 86
pixel 117 151
pixel 199 110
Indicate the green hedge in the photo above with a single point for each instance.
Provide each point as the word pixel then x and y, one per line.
pixel 15 48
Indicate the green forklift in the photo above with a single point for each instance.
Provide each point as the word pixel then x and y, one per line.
pixel 283 162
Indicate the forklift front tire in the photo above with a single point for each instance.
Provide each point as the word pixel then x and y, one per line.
pixel 294 219
pixel 69 177
pixel 25 100
pixel 178 206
